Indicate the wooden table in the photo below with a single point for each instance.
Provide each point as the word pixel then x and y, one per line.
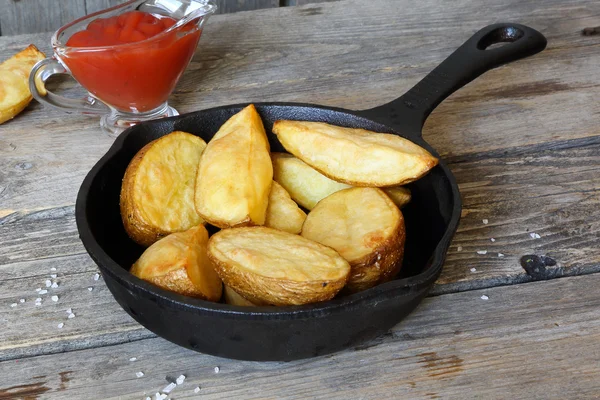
pixel 523 141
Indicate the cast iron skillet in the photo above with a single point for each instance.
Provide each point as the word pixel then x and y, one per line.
pixel 288 333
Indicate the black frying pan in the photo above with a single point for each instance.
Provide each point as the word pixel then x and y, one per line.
pixel 288 333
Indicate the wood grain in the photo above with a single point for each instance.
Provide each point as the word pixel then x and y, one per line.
pixel 27 16
pixel 534 341
pixel 92 6
pixel 230 6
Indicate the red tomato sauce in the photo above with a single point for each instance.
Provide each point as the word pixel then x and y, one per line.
pixel 126 62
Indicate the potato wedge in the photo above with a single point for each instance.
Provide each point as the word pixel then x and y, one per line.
pixel 270 266
pixel 282 212
pixel 305 185
pixel 14 82
pixel 400 195
pixel 180 263
pixel 157 194
pixel 366 228
pixel 235 299
pixel 235 173
pixel 355 156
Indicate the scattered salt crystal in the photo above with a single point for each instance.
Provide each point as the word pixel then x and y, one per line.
pixel 482 252
pixel 217 369
pixel 54 285
pixel 71 316
pixel 537 236
pixel 197 389
pixel 52 269
pixel 54 298
pixel 38 289
pixel 96 277
pixel 69 310
pixel 180 379
pixel 139 374
pixel 148 398
pixel 48 283
pixel 169 387
pixel 13 305
pixel 459 248
pixel 159 396
pixel 43 291
pixel 38 300
pixel 53 276
pixel 492 240
pixel 90 289
pixel 484 297
pixel 38 303
pixel 485 221
pixel 473 270
pixel 534 235
pixel 132 359
pixel 60 325
pixel 22 301
pixel 500 255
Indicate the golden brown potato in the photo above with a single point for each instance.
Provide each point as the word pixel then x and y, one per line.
pixel 235 299
pixel 305 185
pixel 399 195
pixel 180 263
pixel 282 212
pixel 355 156
pixel 157 195
pixel 235 173
pixel 266 265
pixel 14 82
pixel 366 228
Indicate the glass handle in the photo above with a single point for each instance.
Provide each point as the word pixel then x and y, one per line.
pixel 37 85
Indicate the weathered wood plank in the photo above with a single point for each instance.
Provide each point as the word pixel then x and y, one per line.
pixel 521 343
pixel 231 6
pixel 92 6
pixel 303 2
pixel 19 17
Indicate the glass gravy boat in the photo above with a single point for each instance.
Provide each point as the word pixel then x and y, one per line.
pixel 127 83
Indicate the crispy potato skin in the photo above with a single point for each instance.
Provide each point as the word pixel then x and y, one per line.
pixel 246 267
pixel 235 174
pixel 141 225
pixel 180 263
pixel 14 77
pixel 282 212
pixel 235 299
pixel 375 254
pixel 356 157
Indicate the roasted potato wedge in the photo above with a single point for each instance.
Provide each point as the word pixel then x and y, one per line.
pixel 235 173
pixel 400 195
pixel 366 228
pixel 235 299
pixel 308 186
pixel 266 265
pixel 14 82
pixel 282 212
pixel 157 194
pixel 355 156
pixel 305 185
pixel 180 263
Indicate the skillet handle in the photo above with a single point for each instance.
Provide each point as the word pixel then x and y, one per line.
pixel 470 60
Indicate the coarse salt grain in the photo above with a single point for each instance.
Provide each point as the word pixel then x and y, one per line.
pixel 60 325
pixel 38 289
pixel 48 283
pixel 54 285
pixel 71 316
pixel 139 374
pixel 69 310
pixel 473 270
pixel 22 301
pixel 180 379
pixel 96 277
pixel 481 252
pixel 485 221
pixel 43 291
pixel 197 389
pixel 54 298
pixel 500 255
pixel 159 396
pixel 90 289
pixel 13 305
pixel 169 387
pixel 484 297
pixel 217 369
pixel 492 240
pixel 53 276
pixel 459 248
pixel 38 300
pixel 52 269
pixel 132 359
pixel 148 398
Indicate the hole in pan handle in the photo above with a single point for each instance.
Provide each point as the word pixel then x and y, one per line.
pixel 476 56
